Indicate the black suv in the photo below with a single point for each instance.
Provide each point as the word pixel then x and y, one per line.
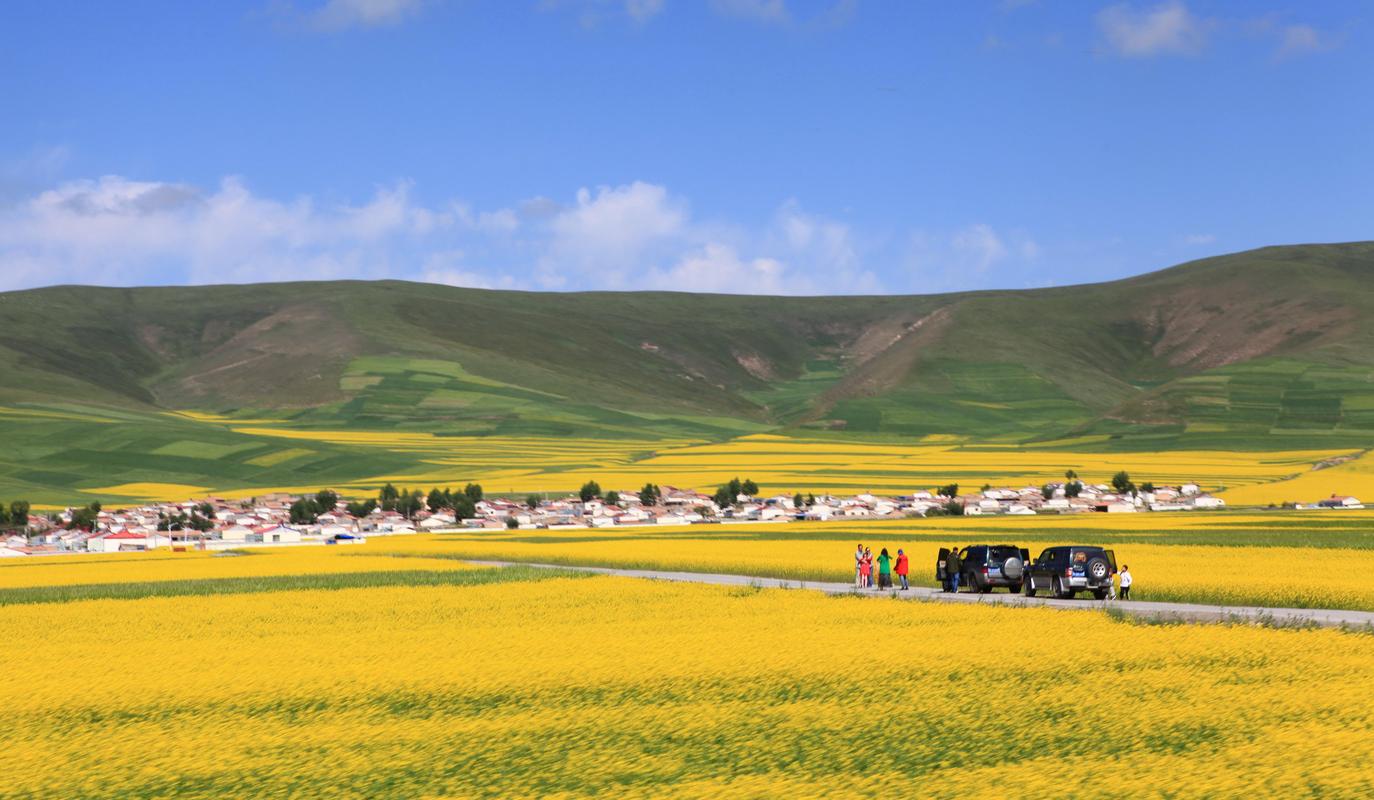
pixel 1066 571
pixel 986 566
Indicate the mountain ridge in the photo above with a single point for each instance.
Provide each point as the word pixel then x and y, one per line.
pixel 1273 338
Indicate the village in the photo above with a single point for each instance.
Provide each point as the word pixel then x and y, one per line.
pixel 278 519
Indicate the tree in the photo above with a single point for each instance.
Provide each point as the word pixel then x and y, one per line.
pixel 19 513
pixel 953 507
pixel 362 509
pixel 1147 487
pixel 532 502
pixel 473 492
pixel 85 518
pixel 464 508
pixel 589 491
pixel 749 487
pixel 512 523
pixel 4 516
pixel 1070 475
pixel 613 497
pixel 986 486
pixel 810 500
pixel 435 501
pixel 206 510
pixel 304 511
pixel 1047 491
pixel 798 501
pixel 650 494
pixel 409 503
pixel 948 490
pixel 388 497
pixel 1073 488
pixel 1121 482
pixel 724 497
pixel 327 500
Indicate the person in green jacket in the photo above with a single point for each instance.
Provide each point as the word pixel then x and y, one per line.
pixel 884 570
pixel 952 566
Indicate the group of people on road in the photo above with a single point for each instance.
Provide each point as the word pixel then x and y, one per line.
pixel 866 568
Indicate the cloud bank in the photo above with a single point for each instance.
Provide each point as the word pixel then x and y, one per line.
pixel 123 232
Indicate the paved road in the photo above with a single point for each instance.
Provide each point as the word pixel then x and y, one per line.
pixel 1184 612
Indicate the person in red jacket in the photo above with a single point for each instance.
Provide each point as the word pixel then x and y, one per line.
pixel 901 569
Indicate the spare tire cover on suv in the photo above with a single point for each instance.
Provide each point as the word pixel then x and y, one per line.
pixel 1098 568
pixel 1012 568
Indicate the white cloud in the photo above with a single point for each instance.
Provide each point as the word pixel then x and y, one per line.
pixel 1166 28
pixel 1297 40
pixel 1197 239
pixel 615 227
pixel 115 230
pixel 591 13
pixel 979 246
pixel 719 268
pixel 641 10
pixel 961 258
pixel 340 14
pixel 118 231
pixel 762 10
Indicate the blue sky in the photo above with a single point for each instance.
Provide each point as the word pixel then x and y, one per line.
pixel 761 146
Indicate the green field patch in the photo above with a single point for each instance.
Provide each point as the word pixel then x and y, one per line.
pixel 279 457
pixel 277 583
pixel 188 448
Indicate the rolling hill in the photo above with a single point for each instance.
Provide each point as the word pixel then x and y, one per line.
pixel 1263 350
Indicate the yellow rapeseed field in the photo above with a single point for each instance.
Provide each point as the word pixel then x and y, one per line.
pixel 521 464
pixel 1192 558
pixel 598 687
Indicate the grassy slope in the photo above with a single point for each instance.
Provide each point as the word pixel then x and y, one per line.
pixel 1262 350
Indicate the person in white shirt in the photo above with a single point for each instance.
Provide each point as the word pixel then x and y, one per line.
pixel 1125 582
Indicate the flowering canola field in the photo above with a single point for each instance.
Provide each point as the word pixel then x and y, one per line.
pixel 522 464
pixel 593 687
pixel 1313 560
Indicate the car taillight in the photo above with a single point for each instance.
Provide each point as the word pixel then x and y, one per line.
pixel 984 569
pixel 1068 572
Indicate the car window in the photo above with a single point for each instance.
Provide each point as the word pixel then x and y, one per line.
pixel 1080 558
pixel 1000 554
pixel 976 554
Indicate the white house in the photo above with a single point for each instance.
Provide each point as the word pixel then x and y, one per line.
pixel 1208 501
pixel 277 534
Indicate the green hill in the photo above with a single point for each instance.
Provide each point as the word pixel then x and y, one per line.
pixel 1268 349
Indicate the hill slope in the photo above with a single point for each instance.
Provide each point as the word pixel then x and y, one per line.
pixel 1268 342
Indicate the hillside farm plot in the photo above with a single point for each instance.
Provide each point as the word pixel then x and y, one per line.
pixel 60 457
pixel 596 686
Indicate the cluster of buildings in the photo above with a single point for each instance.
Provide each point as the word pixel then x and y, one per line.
pixel 266 520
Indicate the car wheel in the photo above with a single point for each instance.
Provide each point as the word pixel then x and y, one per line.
pixel 1100 594
pixel 1029 587
pixel 1015 588
pixel 1060 591
pixel 1098 569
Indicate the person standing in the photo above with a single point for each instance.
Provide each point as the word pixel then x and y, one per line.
pixel 884 570
pixel 902 568
pixel 858 567
pixel 952 566
pixel 1125 582
pixel 866 569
